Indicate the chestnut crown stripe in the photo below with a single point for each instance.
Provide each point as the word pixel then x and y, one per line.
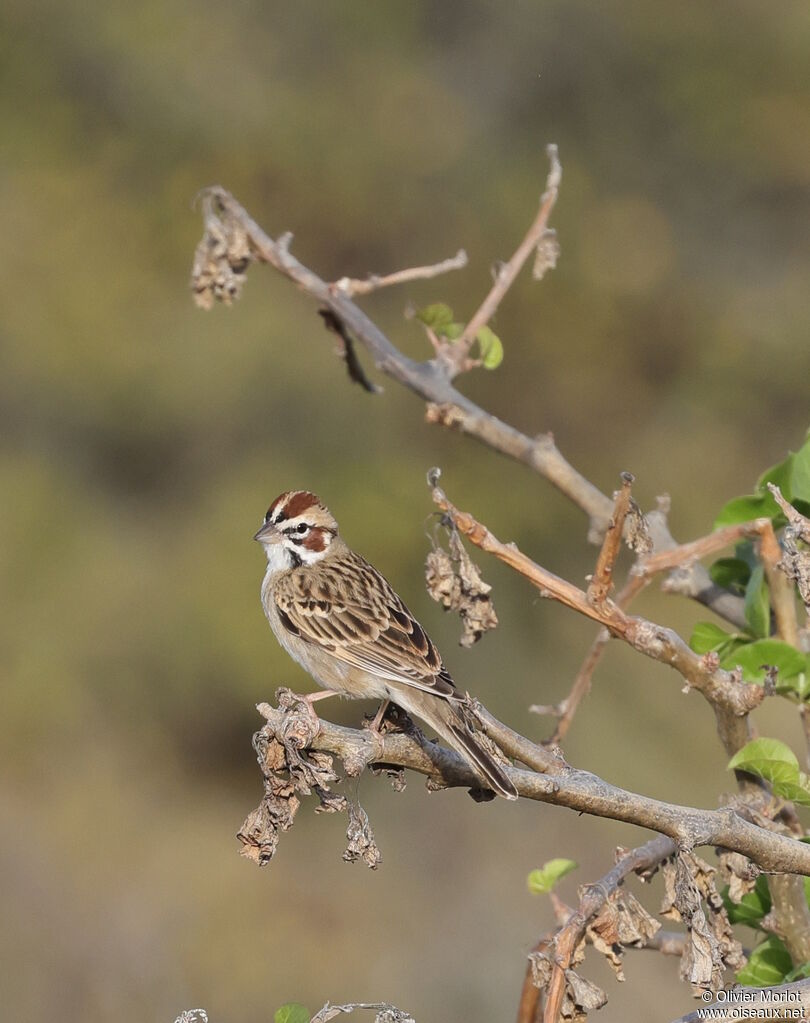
pixel 291 504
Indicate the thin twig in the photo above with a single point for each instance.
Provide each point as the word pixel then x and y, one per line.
pixel 602 580
pixel 567 708
pixel 507 273
pixel 351 287
pixel 685 553
pixel 783 594
pixel 530 993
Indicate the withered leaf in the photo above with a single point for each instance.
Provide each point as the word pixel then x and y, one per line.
pixel 361 843
pixel 222 256
pixel 454 581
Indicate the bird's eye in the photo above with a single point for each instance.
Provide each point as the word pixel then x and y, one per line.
pixel 302 527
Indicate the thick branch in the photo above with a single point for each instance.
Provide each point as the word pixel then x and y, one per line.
pixel 552 780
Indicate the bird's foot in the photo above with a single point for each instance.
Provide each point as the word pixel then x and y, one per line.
pixel 307 699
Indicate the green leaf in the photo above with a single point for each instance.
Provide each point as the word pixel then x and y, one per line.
pixel 755 658
pixel 800 474
pixel 798 792
pixel 752 907
pixel 731 573
pixel 744 551
pixel 292 1012
pixel 451 331
pixel 780 475
pixel 491 348
pixel 769 759
pixel 743 509
pixel 543 880
pixel 798 973
pixel 769 964
pixel 707 636
pixel 436 316
pixel 758 604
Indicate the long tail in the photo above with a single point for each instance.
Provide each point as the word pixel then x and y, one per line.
pixel 470 748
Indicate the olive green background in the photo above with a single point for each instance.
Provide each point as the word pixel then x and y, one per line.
pixel 142 441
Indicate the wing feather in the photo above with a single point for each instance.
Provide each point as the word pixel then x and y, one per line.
pixel 350 609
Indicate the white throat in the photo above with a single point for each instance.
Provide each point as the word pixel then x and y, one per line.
pixel 278 558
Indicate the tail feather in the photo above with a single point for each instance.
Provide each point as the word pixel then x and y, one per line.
pixel 493 773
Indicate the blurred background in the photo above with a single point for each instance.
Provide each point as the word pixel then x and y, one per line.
pixel 142 441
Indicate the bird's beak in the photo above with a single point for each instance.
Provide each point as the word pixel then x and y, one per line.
pixel 267 533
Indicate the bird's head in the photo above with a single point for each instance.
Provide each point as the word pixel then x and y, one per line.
pixel 298 529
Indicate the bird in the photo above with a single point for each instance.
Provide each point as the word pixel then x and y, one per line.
pixel 343 622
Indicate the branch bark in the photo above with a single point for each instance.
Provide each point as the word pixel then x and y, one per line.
pixel 551 780
pixel 720 687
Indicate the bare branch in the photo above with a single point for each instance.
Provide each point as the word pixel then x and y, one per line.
pixel 721 688
pixel 507 272
pixel 602 580
pixel 227 225
pixel 351 287
pixel 795 561
pixel 686 553
pixel 550 780
pixel 783 595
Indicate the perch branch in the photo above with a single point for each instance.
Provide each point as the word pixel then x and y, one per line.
pixel 552 780
pixel 350 287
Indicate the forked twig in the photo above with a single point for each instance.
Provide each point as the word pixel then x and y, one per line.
pixel 507 273
pixel 719 687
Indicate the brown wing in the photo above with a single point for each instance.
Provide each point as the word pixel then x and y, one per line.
pixel 348 608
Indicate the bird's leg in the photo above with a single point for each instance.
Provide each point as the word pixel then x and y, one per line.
pixel 309 698
pixel 376 724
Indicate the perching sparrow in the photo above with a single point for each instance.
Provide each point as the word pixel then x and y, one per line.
pixel 340 620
